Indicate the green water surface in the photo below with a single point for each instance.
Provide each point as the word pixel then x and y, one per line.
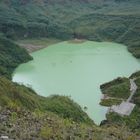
pixel 77 70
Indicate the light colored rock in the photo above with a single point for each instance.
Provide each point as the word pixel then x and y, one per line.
pixel 125 108
pixel 133 88
pixel 4 137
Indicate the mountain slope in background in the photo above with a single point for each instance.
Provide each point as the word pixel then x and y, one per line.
pixel 103 20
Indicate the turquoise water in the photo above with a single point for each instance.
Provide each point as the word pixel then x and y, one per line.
pixel 77 70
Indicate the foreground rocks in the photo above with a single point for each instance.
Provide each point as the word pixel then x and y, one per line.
pixel 25 125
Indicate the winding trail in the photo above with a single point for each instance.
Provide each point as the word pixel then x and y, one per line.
pixel 133 88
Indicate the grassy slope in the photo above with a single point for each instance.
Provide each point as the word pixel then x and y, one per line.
pixel 11 56
pixel 16 96
pixel 131 121
pixel 115 91
pixel 118 88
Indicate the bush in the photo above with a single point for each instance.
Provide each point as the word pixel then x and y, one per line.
pixel 11 55
pixel 118 88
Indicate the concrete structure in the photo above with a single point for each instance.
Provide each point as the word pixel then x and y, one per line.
pixel 125 108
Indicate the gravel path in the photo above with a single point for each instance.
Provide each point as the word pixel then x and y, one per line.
pixel 133 88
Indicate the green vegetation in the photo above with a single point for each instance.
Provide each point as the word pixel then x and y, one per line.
pixel 11 56
pixel 112 20
pixel 110 102
pixel 135 50
pixel 15 96
pixel 135 75
pixel 118 88
pixel 115 91
pixel 31 116
pixel 66 108
pixel 46 126
pixel 136 97
pixel 47 132
pixel 132 121
pixel 26 115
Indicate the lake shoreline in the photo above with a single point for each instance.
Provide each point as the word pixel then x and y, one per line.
pixel 32 48
pixel 76 59
pixel 33 45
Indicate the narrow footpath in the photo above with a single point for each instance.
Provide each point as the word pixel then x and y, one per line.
pixel 133 88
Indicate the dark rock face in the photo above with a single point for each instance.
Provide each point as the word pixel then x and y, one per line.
pixel 104 122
